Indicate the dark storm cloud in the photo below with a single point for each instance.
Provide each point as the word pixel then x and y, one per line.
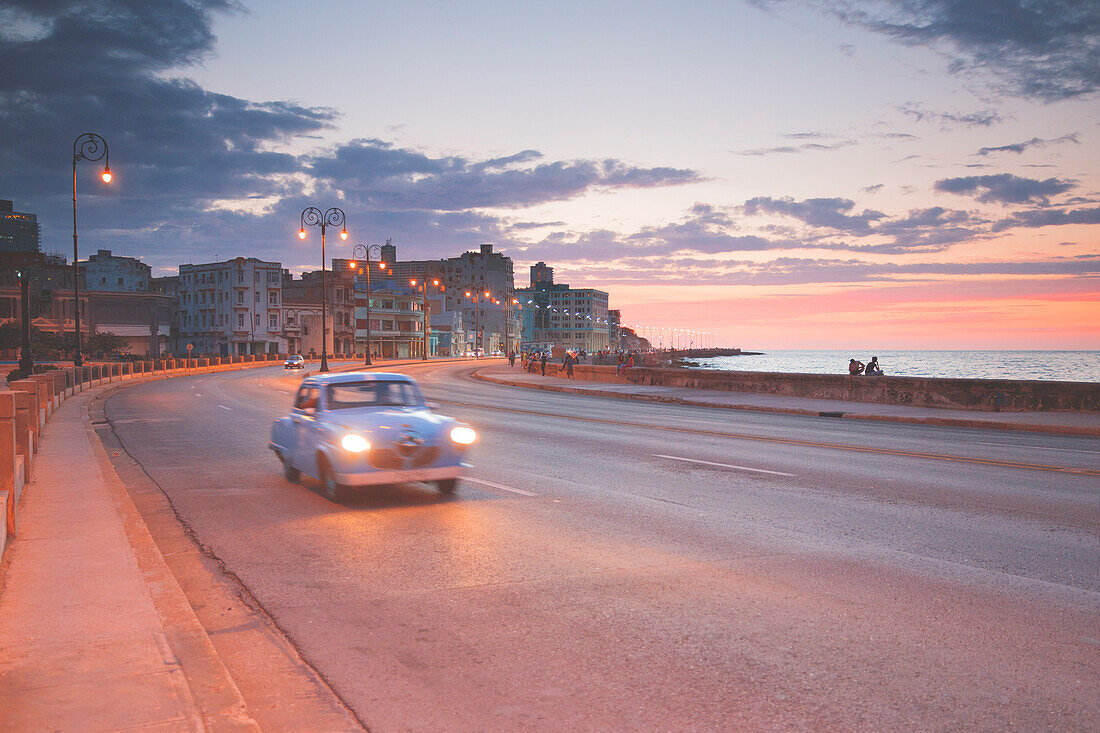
pixel 1035 142
pixel 187 161
pixel 1044 49
pixel 1005 188
pixel 376 174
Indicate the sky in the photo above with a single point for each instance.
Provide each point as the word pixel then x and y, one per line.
pixel 890 174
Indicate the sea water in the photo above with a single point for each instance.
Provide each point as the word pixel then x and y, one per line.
pixel 1062 366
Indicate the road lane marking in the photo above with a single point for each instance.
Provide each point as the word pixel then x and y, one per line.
pixel 1037 447
pixel 499 486
pixel 225 408
pixel 785 441
pixel 722 465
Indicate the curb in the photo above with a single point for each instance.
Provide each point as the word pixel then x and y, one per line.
pixel 935 421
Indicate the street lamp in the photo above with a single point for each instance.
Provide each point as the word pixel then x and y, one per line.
pixel 88 146
pixel 334 217
pixel 26 359
pixel 364 252
pixel 478 295
pixel 426 310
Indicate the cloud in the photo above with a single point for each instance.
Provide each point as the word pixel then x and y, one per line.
pixel 1035 142
pixel 199 173
pixel 374 174
pixel 947 120
pixel 1005 188
pixel 817 212
pixel 874 188
pixel 1047 218
pixel 1042 49
pixel 805 147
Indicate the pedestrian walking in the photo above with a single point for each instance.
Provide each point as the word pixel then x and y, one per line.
pixel 543 362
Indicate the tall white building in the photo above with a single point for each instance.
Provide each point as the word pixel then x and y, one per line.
pixel 232 308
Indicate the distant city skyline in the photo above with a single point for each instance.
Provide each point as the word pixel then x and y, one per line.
pixel 785 173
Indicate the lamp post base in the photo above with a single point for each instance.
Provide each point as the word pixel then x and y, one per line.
pixel 324 362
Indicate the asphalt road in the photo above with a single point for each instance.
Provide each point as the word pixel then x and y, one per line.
pixel 616 565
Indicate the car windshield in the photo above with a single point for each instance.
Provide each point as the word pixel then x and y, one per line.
pixel 373 394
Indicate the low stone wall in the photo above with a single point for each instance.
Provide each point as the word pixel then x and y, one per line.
pixel 961 394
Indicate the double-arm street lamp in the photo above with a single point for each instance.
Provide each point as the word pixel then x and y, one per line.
pixel 433 280
pixel 364 252
pixel 88 146
pixel 479 294
pixel 334 217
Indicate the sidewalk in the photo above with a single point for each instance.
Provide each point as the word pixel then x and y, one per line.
pixel 85 603
pixel 96 631
pixel 1068 423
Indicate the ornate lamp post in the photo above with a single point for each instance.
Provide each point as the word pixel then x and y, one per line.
pixel 26 359
pixel 334 217
pixel 88 146
pixel 478 294
pixel 426 310
pixel 365 252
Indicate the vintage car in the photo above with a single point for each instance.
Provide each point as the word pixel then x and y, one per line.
pixel 294 361
pixel 357 429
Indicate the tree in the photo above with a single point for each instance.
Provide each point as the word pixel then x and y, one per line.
pixel 10 336
pixel 105 343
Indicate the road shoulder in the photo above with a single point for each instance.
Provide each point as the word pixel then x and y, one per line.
pixel 280 687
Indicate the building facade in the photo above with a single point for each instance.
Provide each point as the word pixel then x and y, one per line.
pixel 483 318
pixel 19 232
pixel 106 272
pixel 396 319
pixel 575 319
pixel 231 308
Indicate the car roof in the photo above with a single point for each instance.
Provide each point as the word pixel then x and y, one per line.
pixel 347 377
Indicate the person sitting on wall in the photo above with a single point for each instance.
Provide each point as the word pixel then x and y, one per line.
pixel 872 369
pixel 855 366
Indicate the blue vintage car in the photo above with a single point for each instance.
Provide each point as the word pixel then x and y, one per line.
pixel 368 428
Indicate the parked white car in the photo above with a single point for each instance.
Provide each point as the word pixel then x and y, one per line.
pixel 294 361
pixel 356 429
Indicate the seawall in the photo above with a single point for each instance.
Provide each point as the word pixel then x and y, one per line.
pixel 992 395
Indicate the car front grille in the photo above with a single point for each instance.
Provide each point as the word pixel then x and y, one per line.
pixel 390 460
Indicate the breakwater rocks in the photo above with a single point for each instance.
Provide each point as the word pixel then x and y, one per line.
pixel 707 353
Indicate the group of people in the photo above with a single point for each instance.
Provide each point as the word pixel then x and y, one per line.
pixel 870 369
pixel 535 361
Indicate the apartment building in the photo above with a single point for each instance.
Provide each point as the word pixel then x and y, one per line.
pixel 232 308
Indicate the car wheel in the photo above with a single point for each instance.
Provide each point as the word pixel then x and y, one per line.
pixel 333 491
pixel 291 473
pixel 447 486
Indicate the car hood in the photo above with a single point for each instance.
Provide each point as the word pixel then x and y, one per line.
pixel 388 423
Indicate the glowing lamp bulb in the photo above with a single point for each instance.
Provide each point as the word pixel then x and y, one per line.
pixel 412 282
pixel 301 234
pixel 351 265
pixel 381 265
pixel 107 174
pixel 344 234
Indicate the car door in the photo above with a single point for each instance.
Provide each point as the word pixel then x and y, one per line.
pixel 303 434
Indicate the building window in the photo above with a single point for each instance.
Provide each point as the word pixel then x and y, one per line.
pixel 273 298
pixel 240 297
pixel 240 320
pixel 257 319
pixel 273 321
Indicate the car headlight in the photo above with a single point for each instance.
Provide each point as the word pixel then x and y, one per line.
pixel 354 443
pixel 463 435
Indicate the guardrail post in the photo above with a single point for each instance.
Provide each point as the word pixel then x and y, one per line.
pixel 30 387
pixel 9 463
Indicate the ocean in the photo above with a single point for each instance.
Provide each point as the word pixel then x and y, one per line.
pixel 1062 366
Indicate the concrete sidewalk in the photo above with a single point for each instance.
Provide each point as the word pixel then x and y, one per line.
pixel 95 633
pixel 96 630
pixel 1069 423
